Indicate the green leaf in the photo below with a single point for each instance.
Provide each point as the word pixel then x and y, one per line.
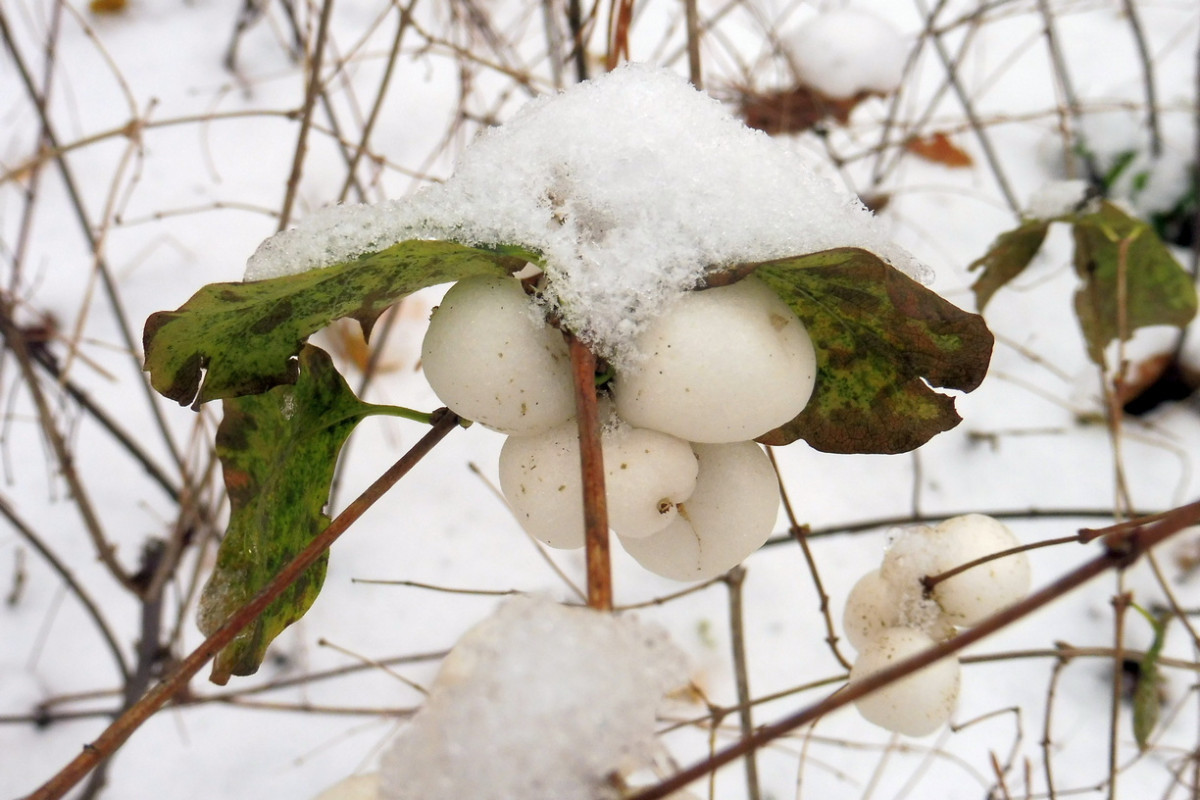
pixel 1130 279
pixel 882 340
pixel 1007 258
pixel 1146 702
pixel 234 339
pixel 278 450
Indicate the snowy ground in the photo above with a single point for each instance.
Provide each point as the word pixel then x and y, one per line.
pixel 182 166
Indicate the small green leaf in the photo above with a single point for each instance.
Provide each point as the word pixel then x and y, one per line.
pixel 1146 703
pixel 278 451
pixel 1007 258
pixel 1130 279
pixel 234 339
pixel 882 340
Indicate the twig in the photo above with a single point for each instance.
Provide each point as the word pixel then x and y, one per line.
pixel 435 588
pixel 377 106
pixel 538 546
pixel 46 361
pixel 899 521
pixel 1120 552
pixel 68 578
pixel 591 457
pixel 1047 738
pixel 578 39
pixel 928 582
pixel 119 731
pixel 733 580
pixel 800 534
pixel 16 343
pixel 310 102
pixel 985 142
pixel 1139 36
pixel 1094 173
pixel 30 193
pixel 692 21
pixel 1120 604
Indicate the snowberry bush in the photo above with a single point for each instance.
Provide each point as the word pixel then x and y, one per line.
pixel 701 296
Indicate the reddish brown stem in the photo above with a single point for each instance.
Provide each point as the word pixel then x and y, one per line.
pixel 591 458
pixel 124 726
pixel 1121 550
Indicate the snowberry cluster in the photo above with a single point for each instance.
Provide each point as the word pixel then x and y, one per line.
pixel 689 495
pixel 889 615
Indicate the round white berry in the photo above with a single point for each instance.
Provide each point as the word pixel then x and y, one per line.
pixel 987 588
pixel 871 607
pixel 917 704
pixel 729 516
pixel 721 365
pixel 647 475
pixel 489 359
pixel 540 478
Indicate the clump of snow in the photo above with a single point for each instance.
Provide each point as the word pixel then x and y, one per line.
pixel 538 702
pixel 843 52
pixel 1057 199
pixel 631 187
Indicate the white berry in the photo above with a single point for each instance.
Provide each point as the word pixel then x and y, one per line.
pixel 647 474
pixel 721 365
pixel 987 588
pixel 871 607
pixel 917 704
pixel 729 516
pixel 489 359
pixel 540 478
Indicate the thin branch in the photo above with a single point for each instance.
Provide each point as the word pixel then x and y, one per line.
pixel 1139 36
pixel 898 521
pixel 310 102
pixel 737 634
pixel 578 39
pixel 985 142
pixel 377 106
pixel 68 578
pixel 1065 83
pixel 591 457
pixel 692 20
pixel 47 362
pixel 119 731
pixel 14 338
pixel 800 534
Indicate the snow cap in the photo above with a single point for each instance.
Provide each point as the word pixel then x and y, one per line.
pixel 631 186
pixel 538 702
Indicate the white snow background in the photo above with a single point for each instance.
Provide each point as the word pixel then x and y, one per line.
pixel 187 195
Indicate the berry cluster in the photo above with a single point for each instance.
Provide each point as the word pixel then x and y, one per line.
pixel 689 494
pixel 890 616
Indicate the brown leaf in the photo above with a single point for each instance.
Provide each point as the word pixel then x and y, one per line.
pixel 795 110
pixel 938 148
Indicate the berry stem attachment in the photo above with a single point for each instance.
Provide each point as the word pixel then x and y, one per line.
pixel 591 457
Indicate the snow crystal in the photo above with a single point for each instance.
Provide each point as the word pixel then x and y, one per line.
pixel 843 52
pixel 1057 199
pixel 631 187
pixel 540 702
